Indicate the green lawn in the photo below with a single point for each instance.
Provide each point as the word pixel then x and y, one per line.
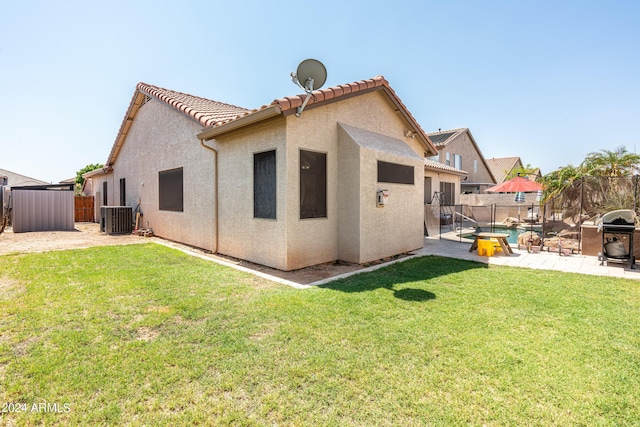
pixel 146 335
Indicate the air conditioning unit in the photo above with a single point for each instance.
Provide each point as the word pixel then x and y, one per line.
pixel 116 219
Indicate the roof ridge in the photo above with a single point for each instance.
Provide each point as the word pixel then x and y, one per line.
pixel 294 101
pixel 447 131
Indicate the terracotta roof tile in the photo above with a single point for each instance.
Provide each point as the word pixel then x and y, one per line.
pixel 211 114
pixel 205 111
pixel 432 164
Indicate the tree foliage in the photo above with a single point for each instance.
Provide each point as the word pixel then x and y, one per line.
pixel 88 168
pixel 602 182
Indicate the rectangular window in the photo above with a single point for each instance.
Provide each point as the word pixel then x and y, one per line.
pixel 123 193
pixel 475 166
pixel 457 161
pixel 447 159
pixel 448 193
pixel 104 194
pixel 264 185
pixel 170 190
pixel 313 184
pixel 395 173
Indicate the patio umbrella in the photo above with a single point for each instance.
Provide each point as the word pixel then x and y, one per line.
pixel 514 185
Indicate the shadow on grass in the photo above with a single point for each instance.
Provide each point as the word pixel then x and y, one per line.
pixel 396 277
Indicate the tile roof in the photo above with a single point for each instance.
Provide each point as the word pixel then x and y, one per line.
pixel 442 138
pixel 500 167
pixel 213 114
pixel 289 104
pixel 432 164
pixel 207 112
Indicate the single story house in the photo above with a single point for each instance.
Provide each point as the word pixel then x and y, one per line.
pixel 344 180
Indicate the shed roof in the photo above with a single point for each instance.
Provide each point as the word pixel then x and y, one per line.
pixel 379 142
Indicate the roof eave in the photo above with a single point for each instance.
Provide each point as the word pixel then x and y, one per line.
pixel 422 135
pixel 134 106
pixel 222 128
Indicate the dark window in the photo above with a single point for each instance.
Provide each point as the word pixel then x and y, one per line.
pixel 313 184
pixel 264 185
pixel 104 194
pixel 123 193
pixel 170 190
pixel 395 173
pixel 448 193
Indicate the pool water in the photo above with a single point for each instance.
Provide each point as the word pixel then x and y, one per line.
pixel 512 232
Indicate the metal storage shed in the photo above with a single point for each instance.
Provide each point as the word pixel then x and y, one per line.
pixel 43 208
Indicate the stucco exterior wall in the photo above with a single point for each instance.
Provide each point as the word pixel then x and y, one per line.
pixel 313 241
pixel 438 177
pixel 396 227
pixel 161 139
pixel 349 201
pixel 241 235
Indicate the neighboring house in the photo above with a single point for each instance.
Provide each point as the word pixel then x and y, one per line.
pixel 503 167
pixel 343 181
pixel 9 178
pixel 444 179
pixel 458 149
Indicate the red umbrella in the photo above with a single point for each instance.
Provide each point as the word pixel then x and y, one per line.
pixel 515 185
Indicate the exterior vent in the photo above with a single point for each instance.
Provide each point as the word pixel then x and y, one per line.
pixel 116 219
pixel 146 99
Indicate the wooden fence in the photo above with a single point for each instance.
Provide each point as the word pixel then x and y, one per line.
pixel 84 209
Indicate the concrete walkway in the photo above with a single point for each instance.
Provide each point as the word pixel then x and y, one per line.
pixel 521 258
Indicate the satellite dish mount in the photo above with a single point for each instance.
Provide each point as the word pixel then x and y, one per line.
pixel 310 75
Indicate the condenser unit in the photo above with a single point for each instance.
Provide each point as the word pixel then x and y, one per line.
pixel 116 219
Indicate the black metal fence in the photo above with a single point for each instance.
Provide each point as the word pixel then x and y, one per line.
pixel 556 221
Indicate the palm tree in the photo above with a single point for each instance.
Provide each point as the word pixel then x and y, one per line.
pixel 600 183
pixel 618 162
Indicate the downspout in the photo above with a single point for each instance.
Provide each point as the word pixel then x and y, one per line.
pixel 215 209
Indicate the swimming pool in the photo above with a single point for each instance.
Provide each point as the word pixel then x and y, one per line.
pixel 513 232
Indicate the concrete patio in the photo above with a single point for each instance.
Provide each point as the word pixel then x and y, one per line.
pixel 575 263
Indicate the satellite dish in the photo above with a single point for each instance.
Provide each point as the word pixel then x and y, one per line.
pixel 310 75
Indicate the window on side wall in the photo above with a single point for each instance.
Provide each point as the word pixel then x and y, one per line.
pixel 170 188
pixel 123 192
pixel 264 185
pixel 448 191
pixel 313 184
pixel 457 161
pixel 395 173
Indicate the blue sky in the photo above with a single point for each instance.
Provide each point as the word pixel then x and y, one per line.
pixel 549 81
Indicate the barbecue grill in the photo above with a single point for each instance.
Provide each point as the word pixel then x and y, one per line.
pixel 618 226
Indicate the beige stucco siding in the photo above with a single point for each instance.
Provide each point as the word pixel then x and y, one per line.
pixel 349 202
pixel 161 139
pixel 313 241
pixel 241 235
pixel 442 176
pixel 396 227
